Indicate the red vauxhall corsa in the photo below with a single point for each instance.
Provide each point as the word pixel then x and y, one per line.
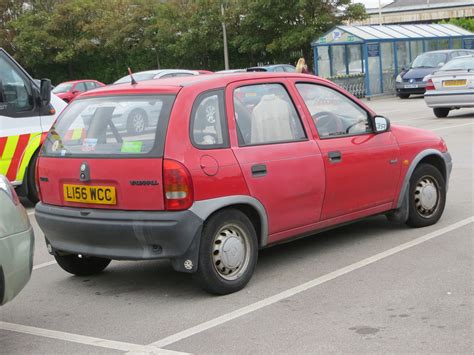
pixel 70 89
pixel 230 164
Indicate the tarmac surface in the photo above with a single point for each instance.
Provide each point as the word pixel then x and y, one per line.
pixel 366 287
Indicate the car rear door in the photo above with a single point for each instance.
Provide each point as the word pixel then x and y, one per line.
pixel 282 167
pixel 362 168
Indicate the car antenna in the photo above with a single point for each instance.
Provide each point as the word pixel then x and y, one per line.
pixel 133 81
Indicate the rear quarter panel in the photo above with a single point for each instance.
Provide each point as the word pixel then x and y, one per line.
pixel 215 172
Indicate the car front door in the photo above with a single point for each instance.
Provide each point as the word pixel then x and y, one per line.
pixel 20 122
pixel 362 168
pixel 282 167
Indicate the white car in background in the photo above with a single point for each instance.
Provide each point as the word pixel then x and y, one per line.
pixel 156 74
pixel 17 242
pixel 451 87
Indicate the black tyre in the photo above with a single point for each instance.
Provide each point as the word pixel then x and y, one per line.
pixel 136 122
pixel 228 253
pixel 31 181
pixel 441 112
pixel 427 196
pixel 404 96
pixel 82 266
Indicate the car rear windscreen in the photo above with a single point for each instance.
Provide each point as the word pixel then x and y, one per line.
pixel 111 126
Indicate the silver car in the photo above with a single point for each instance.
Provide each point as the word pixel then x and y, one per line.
pixel 16 243
pixel 451 87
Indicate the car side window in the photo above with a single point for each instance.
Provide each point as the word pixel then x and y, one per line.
pixel 208 121
pixel 334 114
pixel 264 114
pixel 80 87
pixel 90 85
pixel 15 92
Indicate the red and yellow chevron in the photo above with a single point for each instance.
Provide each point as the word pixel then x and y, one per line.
pixel 16 153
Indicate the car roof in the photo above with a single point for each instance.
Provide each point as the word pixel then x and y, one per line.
pixel 448 51
pixel 76 81
pixel 174 85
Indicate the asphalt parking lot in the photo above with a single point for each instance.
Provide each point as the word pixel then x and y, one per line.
pixel 367 287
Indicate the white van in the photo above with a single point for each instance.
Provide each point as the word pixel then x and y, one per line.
pixel 27 112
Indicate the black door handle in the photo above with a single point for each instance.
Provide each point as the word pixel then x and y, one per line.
pixel 335 157
pixel 259 170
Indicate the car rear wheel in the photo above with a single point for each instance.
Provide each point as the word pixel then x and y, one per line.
pixel 441 112
pixel 228 253
pixel 82 265
pixel 427 196
pixel 404 96
pixel 136 122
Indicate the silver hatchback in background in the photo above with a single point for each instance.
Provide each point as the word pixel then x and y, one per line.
pixel 16 243
pixel 451 87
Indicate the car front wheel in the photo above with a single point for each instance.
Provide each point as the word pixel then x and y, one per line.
pixel 427 196
pixel 82 265
pixel 441 112
pixel 228 252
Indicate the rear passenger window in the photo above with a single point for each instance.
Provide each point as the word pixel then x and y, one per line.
pixel 265 114
pixel 208 126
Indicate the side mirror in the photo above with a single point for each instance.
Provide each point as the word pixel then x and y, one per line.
pixel 45 92
pixel 381 124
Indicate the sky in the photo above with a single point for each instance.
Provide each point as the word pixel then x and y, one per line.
pixel 372 3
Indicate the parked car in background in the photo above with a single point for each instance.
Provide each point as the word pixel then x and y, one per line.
pixel 200 71
pixel 274 68
pixel 451 87
pixel 216 179
pixel 27 112
pixel 410 80
pixel 230 71
pixel 68 90
pixel 156 74
pixel 16 243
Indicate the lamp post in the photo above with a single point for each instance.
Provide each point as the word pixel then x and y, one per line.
pixel 224 37
pixel 157 57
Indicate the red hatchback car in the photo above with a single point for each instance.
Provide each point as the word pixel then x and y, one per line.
pixel 232 164
pixel 70 89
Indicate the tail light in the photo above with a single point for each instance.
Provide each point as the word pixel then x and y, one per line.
pixel 177 186
pixel 430 85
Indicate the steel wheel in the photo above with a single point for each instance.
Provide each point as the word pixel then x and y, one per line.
pixel 137 121
pixel 230 254
pixel 426 196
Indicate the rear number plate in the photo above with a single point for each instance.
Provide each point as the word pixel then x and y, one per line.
pixel 103 195
pixel 411 86
pixel 455 82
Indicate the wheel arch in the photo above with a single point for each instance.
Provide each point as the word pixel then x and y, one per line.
pixel 441 161
pixel 250 206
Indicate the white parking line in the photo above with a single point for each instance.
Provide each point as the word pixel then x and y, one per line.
pixel 40 266
pixel 304 287
pixel 86 340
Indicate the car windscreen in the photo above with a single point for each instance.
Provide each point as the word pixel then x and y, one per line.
pixel 117 126
pixel 64 87
pixel 430 60
pixel 461 63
